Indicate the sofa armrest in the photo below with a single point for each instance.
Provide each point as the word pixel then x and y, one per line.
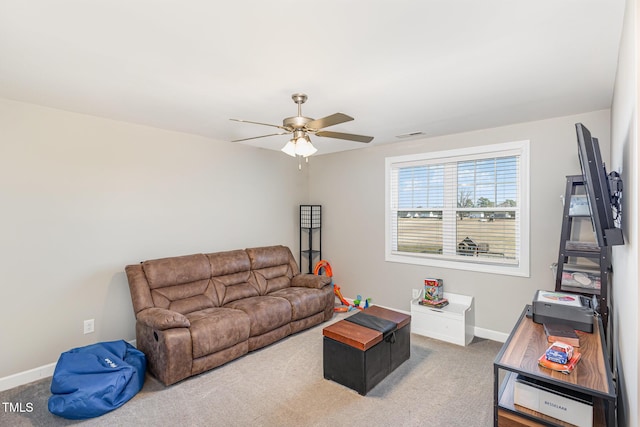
pixel 310 281
pixel 161 319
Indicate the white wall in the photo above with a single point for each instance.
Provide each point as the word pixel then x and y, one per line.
pixel 625 158
pixel 350 188
pixel 82 197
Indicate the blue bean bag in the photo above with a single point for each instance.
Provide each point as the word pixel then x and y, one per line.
pixel 93 380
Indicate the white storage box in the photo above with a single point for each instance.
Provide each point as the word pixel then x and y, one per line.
pixel 453 323
pixel 567 406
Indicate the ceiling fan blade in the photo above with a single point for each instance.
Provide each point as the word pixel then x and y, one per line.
pixel 331 120
pixel 258 123
pixel 261 136
pixel 347 136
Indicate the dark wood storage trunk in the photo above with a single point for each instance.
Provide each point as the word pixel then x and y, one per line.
pixel 402 347
pixel 359 357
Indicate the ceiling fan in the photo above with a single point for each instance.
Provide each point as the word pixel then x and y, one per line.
pixel 301 127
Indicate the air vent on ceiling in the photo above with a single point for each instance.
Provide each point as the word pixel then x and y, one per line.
pixel 410 134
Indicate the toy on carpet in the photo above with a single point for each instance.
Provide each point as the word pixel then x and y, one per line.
pixel 349 306
pixel 346 305
pixel 358 300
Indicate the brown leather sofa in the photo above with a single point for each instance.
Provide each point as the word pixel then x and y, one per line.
pixel 197 312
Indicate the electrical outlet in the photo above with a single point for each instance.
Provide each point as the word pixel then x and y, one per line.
pixel 88 326
pixel 415 293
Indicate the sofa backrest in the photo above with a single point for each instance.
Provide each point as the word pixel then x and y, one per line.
pixel 195 282
pixel 181 283
pixel 231 276
pixel 273 267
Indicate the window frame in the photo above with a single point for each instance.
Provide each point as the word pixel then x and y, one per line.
pixel 518 148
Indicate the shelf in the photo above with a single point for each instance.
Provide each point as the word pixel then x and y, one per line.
pixel 576 245
pixel 529 416
pixel 585 268
pixel 579 254
pixel 311 224
pixel 579 290
pixel 581 278
pixel 311 252
pixel 577 249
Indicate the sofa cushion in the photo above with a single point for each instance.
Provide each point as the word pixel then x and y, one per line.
pixel 268 256
pixel 304 302
pixel 181 283
pixel 231 276
pixel 186 297
pixel 265 312
pixel 234 287
pixel 176 270
pixel 271 279
pixel 215 329
pixel 273 267
pixel 229 262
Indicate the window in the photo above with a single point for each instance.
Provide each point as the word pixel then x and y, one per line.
pixel 465 209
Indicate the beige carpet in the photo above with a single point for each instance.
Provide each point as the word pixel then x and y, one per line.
pixel 282 385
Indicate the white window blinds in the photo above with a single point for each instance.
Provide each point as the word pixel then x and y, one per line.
pixel 460 208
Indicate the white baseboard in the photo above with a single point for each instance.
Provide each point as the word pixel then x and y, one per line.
pixel 490 334
pixel 383 306
pixel 26 377
pixel 35 374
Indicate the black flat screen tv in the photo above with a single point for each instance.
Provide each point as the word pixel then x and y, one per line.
pixel 599 196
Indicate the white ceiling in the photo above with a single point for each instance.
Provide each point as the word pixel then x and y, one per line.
pixel 436 66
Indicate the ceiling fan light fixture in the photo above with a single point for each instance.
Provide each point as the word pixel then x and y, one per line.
pixel 304 147
pixel 289 148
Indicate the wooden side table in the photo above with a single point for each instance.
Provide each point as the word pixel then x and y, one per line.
pixel 519 355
